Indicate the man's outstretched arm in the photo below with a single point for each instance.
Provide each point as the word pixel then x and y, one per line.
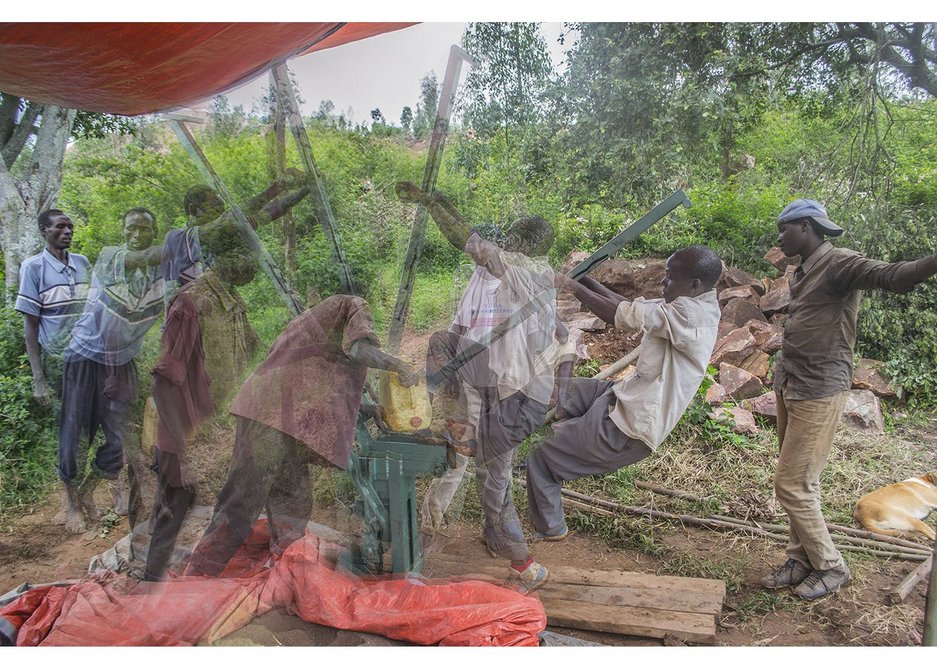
pixel 365 352
pixel 594 296
pixel 447 218
pixel 861 273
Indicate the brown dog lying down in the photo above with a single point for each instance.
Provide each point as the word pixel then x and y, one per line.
pixel 900 507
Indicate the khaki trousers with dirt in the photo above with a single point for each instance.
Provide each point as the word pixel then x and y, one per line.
pixel 805 433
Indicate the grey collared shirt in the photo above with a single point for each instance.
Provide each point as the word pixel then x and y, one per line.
pixel 816 357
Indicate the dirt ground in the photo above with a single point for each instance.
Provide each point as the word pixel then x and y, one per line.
pixel 34 551
pixel 31 550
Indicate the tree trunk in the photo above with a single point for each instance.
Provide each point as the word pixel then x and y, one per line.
pixel 276 164
pixel 21 200
pixel 289 225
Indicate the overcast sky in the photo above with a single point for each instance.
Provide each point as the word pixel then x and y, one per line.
pixel 381 72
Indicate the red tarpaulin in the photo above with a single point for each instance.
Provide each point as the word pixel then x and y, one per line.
pixel 138 68
pixel 113 610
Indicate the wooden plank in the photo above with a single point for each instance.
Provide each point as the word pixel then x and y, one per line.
pixel 716 589
pixel 626 620
pixel 658 599
pixel 286 96
pixel 593 576
pixel 644 594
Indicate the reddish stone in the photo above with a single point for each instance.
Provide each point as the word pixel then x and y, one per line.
pixel 863 412
pixel 573 259
pixel 734 347
pixel 724 328
pixel 783 281
pixel 868 376
pixel 632 278
pixel 776 300
pixel 757 364
pixel 778 319
pixel 765 405
pixel 716 394
pixel 739 383
pixel 768 337
pixel 743 422
pixel 777 259
pixel 734 277
pixel 738 292
pixel 585 322
pixel 566 309
pixel 740 311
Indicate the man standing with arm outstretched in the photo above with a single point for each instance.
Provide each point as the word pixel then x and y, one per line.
pixel 811 380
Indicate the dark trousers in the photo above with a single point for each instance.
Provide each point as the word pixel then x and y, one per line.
pixel 93 396
pixel 586 443
pixel 268 469
pixel 172 504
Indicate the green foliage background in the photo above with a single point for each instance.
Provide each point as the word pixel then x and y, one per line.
pixel 639 112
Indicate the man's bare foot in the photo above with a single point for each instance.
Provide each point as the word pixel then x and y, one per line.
pixel 75 521
pixel 86 498
pixel 74 516
pixel 61 515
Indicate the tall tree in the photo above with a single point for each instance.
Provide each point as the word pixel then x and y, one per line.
pixel 425 118
pixel 653 105
pixel 33 138
pixel 503 90
pixel 226 121
pixel 406 118
pixel 26 192
pixel 826 53
pixel 326 107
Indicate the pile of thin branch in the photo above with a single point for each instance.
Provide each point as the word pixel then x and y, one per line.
pixel 854 540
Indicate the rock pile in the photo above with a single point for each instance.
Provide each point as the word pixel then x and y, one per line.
pixel 750 335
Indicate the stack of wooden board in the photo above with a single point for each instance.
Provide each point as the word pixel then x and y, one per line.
pixel 621 602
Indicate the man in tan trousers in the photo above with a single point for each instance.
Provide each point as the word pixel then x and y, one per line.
pixel 812 377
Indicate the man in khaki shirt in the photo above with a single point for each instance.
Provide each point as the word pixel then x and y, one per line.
pixel 606 425
pixel 812 377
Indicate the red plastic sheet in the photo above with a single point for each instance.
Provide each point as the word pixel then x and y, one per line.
pixel 137 68
pixel 192 610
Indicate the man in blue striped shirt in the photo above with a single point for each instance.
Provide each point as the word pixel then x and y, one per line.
pixel 53 286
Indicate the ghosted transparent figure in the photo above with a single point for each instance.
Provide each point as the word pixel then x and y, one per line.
pixel 207 345
pixel 298 408
pixel 131 285
pixel 502 393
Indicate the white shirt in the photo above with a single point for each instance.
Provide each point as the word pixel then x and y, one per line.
pixel 524 358
pixel 678 342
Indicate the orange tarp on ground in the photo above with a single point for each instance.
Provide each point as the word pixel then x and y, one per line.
pixel 114 610
pixel 138 68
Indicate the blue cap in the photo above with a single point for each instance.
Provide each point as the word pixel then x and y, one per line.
pixel 811 210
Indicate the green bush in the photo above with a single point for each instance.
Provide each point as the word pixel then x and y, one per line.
pixel 28 442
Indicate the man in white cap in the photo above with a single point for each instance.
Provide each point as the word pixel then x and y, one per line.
pixel 812 377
